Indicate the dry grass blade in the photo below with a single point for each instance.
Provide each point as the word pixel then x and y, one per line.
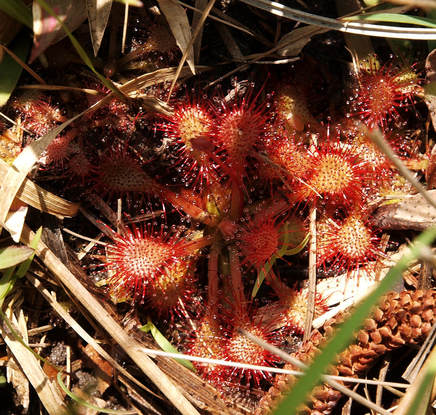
pixel 200 5
pixel 224 19
pixel 98 16
pixel 416 364
pixel 152 78
pixel 79 329
pixel 377 137
pixel 46 201
pixel 60 88
pixel 186 52
pixel 152 352
pixel 358 28
pixel 179 25
pixel 312 275
pixel 39 198
pixel 422 387
pixel 126 19
pixel 14 374
pixel 22 165
pixel 48 391
pixel 293 42
pixel 23 64
pixel 127 343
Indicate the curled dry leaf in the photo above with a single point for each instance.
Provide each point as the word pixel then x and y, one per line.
pixel 179 25
pixel 98 16
pixel 414 212
pixel 47 29
pixel 430 89
pixel 430 173
pixel 293 42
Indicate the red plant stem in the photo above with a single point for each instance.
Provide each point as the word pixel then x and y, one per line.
pixel 312 275
pixel 192 246
pixel 180 202
pixel 279 287
pixel 236 278
pixel 212 276
pixel 237 202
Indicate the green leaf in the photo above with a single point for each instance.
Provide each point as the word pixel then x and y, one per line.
pixel 82 402
pixel 9 277
pixel 7 281
pixel 24 267
pixel 10 70
pixel 284 250
pixel 263 272
pixel 298 248
pixel 18 10
pixel 394 18
pixel 13 255
pixel 299 393
pixel 164 344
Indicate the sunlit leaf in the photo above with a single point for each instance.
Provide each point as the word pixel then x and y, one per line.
pixel 14 255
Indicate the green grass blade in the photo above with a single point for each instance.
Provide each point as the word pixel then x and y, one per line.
pixel 18 10
pixel 394 18
pixel 269 264
pixel 163 343
pixel 299 393
pixel 7 281
pixel 10 70
pixel 24 266
pixel 263 272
